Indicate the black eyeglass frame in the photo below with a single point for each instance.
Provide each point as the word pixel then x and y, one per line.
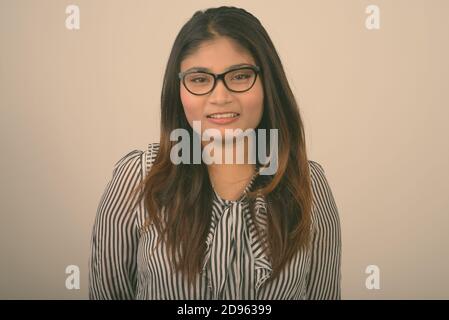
pixel 217 77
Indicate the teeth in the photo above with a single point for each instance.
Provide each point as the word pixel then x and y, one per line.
pixel 224 115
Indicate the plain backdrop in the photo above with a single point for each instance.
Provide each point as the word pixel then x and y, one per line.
pixel 374 104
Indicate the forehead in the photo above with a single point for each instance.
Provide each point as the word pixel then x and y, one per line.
pixel 217 55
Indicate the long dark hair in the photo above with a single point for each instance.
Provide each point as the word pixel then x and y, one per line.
pixel 183 192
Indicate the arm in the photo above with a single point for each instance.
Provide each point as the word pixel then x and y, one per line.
pixel 325 272
pixel 112 262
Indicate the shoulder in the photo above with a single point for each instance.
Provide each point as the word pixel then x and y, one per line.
pixel 324 205
pixel 317 176
pixel 150 155
pixel 126 175
pixel 130 161
pixel 137 161
pixel 315 168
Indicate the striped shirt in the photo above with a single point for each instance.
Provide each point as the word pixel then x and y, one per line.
pixel 127 264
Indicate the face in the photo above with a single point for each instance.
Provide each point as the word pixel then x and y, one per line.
pixel 218 55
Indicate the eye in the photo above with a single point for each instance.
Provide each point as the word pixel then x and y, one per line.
pixel 242 76
pixel 198 79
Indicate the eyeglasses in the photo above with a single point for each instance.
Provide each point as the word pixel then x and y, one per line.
pixel 236 80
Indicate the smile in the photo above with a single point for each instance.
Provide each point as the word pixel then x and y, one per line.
pixel 223 115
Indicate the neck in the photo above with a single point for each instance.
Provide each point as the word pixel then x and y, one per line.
pixel 234 172
pixel 231 173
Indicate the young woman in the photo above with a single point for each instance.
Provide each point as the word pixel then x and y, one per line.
pixel 219 230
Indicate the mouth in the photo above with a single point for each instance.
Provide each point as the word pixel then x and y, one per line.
pixel 223 115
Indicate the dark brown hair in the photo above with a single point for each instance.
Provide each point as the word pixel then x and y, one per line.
pixel 184 190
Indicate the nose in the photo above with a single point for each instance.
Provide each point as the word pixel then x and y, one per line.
pixel 220 94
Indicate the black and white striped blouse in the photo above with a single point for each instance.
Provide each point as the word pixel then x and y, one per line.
pixel 125 264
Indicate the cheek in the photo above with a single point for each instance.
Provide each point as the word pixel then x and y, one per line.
pixel 255 106
pixel 192 105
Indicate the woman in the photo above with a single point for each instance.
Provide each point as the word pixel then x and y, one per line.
pixel 219 230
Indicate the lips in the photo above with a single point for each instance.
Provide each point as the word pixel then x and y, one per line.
pixel 221 115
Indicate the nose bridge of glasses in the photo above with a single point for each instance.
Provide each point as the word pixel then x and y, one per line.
pixel 216 84
pixel 221 77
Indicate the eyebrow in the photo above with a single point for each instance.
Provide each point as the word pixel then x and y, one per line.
pixel 227 69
